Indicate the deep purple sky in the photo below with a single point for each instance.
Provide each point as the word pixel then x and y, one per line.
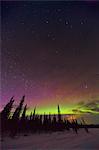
pixel 50 52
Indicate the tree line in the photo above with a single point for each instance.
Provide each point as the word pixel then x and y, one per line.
pixel 20 123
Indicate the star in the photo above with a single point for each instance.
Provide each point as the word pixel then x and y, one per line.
pixel 86 86
pixel 48 35
pixel 56 51
pixel 46 21
pixel 81 22
pixel 66 22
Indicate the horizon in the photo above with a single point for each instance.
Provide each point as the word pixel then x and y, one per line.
pixel 89 117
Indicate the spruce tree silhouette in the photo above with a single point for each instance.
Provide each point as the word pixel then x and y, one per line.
pixel 31 115
pixel 59 115
pixel 23 120
pixel 16 117
pixel 34 113
pixel 5 115
pixel 60 122
pixel 32 122
pixel 18 110
pixel 49 122
pixel 24 113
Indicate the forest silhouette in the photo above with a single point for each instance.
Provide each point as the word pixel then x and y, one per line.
pixel 20 123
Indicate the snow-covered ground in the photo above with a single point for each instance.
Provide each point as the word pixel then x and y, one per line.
pixel 54 141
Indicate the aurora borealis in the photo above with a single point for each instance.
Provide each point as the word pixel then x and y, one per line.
pixel 50 53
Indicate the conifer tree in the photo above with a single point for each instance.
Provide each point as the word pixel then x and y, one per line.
pixel 24 112
pixel 5 114
pixel 59 114
pixel 34 113
pixel 31 116
pixel 18 110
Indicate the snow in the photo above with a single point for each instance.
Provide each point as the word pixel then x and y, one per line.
pixel 67 140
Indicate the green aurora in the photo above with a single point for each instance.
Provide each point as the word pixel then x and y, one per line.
pixel 76 108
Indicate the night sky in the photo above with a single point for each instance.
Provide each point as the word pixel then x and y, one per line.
pixel 50 53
